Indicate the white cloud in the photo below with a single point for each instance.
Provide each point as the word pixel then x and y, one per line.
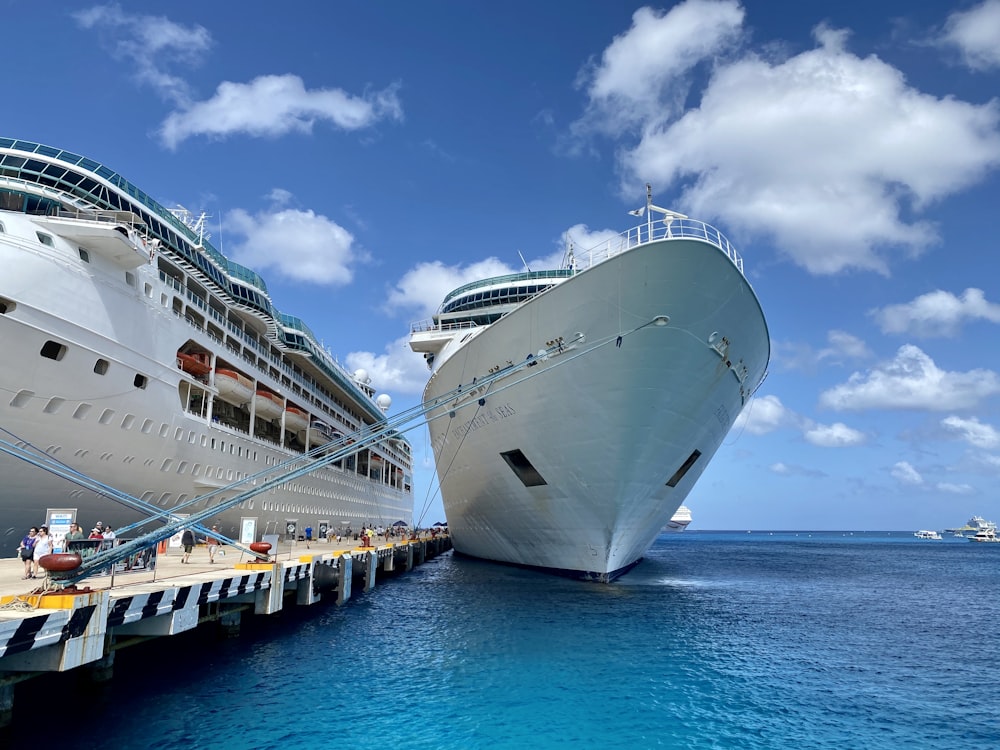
pixel 299 245
pixel 837 435
pixel 644 65
pixel 397 370
pixel 904 473
pixel 936 313
pixel 150 44
pixel 955 489
pixel 972 431
pixel 843 345
pixel 976 34
pixel 789 470
pixel 826 152
pixel 269 105
pixel 421 290
pixel 764 414
pixel 274 105
pixel 911 381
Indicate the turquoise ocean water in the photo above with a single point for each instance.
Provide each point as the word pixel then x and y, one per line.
pixel 716 640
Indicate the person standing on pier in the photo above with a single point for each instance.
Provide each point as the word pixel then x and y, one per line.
pixel 187 542
pixel 27 551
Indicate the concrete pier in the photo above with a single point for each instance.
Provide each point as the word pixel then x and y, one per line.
pixel 63 631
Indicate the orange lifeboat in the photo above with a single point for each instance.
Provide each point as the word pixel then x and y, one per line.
pixel 194 363
pixel 234 388
pixel 267 405
pixel 295 419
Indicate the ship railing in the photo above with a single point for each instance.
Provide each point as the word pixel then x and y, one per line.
pixel 667 228
pixel 101 216
pixel 428 324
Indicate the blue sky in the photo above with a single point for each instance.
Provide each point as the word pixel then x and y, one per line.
pixel 367 157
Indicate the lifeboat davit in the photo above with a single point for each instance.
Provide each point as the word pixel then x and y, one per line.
pixel 194 363
pixel 233 387
pixel 267 405
pixel 295 419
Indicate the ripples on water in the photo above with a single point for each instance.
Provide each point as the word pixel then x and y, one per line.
pixel 715 641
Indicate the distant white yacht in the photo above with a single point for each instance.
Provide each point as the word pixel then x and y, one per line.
pixel 973 526
pixel 680 520
pixel 925 534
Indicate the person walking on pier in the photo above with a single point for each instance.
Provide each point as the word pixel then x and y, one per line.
pixel 43 546
pixel 213 544
pixel 187 542
pixel 27 552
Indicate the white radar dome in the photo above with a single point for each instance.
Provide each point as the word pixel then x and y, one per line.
pixel 361 376
pixel 383 401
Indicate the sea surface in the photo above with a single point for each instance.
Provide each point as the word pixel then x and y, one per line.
pixel 716 640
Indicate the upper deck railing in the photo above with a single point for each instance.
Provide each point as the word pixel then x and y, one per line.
pixel 668 228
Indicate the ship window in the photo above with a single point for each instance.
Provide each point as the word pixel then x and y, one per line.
pixel 679 474
pixel 139 381
pixel 128 421
pixel 2 229
pixel 45 239
pixel 53 405
pixel 101 366
pixel 130 278
pixel 521 466
pixel 84 255
pixel 53 350
pixel 81 411
pixel 147 426
pixel 106 416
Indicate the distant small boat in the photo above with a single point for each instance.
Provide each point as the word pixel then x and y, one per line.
pixel 924 534
pixel 985 535
pixel 680 519
pixel 972 526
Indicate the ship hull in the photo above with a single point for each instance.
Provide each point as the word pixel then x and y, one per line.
pixel 575 465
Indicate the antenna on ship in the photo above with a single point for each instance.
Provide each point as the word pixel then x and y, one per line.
pixel 524 262
pixel 668 215
pixel 195 225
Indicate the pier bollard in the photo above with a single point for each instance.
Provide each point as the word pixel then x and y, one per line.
pixel 261 549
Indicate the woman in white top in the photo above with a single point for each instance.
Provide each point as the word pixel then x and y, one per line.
pixel 43 545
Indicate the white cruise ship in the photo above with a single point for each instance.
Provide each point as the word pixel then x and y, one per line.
pixel 642 353
pixel 138 355
pixel 680 520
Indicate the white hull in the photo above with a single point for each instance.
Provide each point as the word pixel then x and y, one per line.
pixel 115 404
pixel 607 423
